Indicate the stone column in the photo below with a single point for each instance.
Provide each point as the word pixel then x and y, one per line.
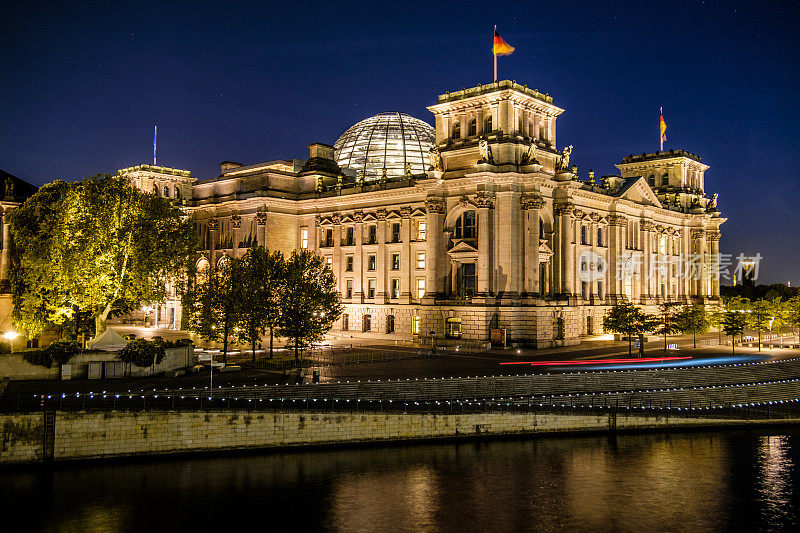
pixel 337 253
pixel 530 207
pixel 508 241
pixel 213 226
pixel 484 273
pixel 616 244
pixel 714 238
pixel 5 254
pixel 236 227
pixel 358 258
pixel 566 263
pixel 406 268
pixel 647 282
pixel 433 247
pixel 261 229
pixel 699 263
pixel 381 295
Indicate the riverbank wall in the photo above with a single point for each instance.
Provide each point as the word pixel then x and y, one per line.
pixel 69 436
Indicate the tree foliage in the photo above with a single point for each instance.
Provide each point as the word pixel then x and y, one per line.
pixel 262 279
pixel 733 323
pixel 693 319
pixel 309 301
pixel 97 245
pixel 628 319
pixel 142 353
pixel 59 352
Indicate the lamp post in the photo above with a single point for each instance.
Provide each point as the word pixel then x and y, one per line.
pixel 10 336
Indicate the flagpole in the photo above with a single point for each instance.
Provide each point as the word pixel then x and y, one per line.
pixel 155 139
pixel 660 135
pixel 493 54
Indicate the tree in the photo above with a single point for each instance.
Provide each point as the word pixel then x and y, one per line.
pixel 666 320
pixel 739 305
pixel 309 301
pixel 142 353
pixel 98 246
pixel 793 313
pixel 693 319
pixel 760 318
pixel 628 319
pixel 58 352
pixel 215 301
pixel 733 324
pixel 262 280
pixel 715 314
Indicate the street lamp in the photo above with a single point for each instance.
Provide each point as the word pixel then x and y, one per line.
pixel 10 336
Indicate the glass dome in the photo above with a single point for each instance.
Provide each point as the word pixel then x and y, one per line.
pixel 385 141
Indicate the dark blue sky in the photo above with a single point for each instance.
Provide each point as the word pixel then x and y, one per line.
pixel 83 84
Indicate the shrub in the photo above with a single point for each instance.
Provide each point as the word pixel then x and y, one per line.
pixel 59 352
pixel 38 358
pixel 142 353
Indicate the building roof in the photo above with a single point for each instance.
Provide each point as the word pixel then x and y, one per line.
pixel 663 154
pixel 15 189
pixel 493 87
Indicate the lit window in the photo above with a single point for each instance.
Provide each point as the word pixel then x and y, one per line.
pixel 371 262
pixel 457 130
pixel 421 232
pixel 349 291
pixel 395 261
pixel 304 239
pixel 367 323
pixel 466 226
pixel 329 260
pixel 420 287
pixel 421 260
pixel 415 325
pixel 371 288
pixel 395 288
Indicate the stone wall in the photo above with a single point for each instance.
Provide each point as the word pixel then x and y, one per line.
pixel 91 435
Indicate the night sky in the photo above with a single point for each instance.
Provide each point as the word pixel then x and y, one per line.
pixel 83 84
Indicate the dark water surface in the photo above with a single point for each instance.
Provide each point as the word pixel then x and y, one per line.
pixel 721 481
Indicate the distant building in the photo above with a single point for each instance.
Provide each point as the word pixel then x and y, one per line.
pixel 478 224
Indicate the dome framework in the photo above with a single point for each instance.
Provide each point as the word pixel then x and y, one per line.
pixel 386 142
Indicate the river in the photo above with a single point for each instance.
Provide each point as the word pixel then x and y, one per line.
pixel 716 481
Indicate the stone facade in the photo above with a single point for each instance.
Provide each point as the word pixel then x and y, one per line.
pixel 501 233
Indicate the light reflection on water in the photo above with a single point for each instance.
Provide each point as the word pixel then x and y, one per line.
pixel 689 482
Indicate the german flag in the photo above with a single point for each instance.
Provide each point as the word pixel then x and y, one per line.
pixel 662 126
pixel 500 47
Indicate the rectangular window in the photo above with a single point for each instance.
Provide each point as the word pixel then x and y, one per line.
pixel 367 323
pixel 585 290
pixel 395 261
pixel 304 238
pixel 373 234
pixel 599 236
pixel 421 233
pixel 395 288
pixel 345 322
pixel 350 236
pixel 371 262
pixel 452 328
pixel 396 232
pixel 329 260
pixel 371 288
pixel 328 237
pixel 390 324
pixel 600 290
pixel 420 260
pixel 348 263
pixel 420 287
pixel 349 290
pixel 415 325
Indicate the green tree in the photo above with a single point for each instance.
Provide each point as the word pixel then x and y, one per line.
pixel 715 314
pixel 741 305
pixel 215 301
pixel 262 280
pixel 760 318
pixel 693 319
pixel 98 246
pixel 142 353
pixel 733 324
pixel 309 301
pixel 58 352
pixel 665 322
pixel 628 319
pixel 793 313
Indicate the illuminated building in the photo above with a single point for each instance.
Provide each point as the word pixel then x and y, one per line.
pixel 480 223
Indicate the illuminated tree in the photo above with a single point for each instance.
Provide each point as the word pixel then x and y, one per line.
pixel 733 324
pixel 666 320
pixel 760 318
pixel 98 246
pixel 309 301
pixel 628 319
pixel 262 279
pixel 693 319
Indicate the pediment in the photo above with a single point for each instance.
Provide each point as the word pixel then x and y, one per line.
pixel 418 213
pixel 638 191
pixel 463 248
pixel 544 248
pixel 393 215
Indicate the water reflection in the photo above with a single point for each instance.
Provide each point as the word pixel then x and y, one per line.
pixel 688 482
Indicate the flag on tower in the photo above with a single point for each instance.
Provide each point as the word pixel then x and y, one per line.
pixel 662 126
pixel 500 47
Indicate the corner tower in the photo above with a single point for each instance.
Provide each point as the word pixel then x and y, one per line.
pixel 509 117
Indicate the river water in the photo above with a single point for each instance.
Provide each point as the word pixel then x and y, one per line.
pixel 718 481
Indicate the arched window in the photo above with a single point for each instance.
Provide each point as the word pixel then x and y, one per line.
pixel 665 180
pixel 166 191
pixel 473 127
pixel 652 180
pixel 457 130
pixel 155 189
pixel 488 125
pixel 177 193
pixel 202 270
pixel 466 226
